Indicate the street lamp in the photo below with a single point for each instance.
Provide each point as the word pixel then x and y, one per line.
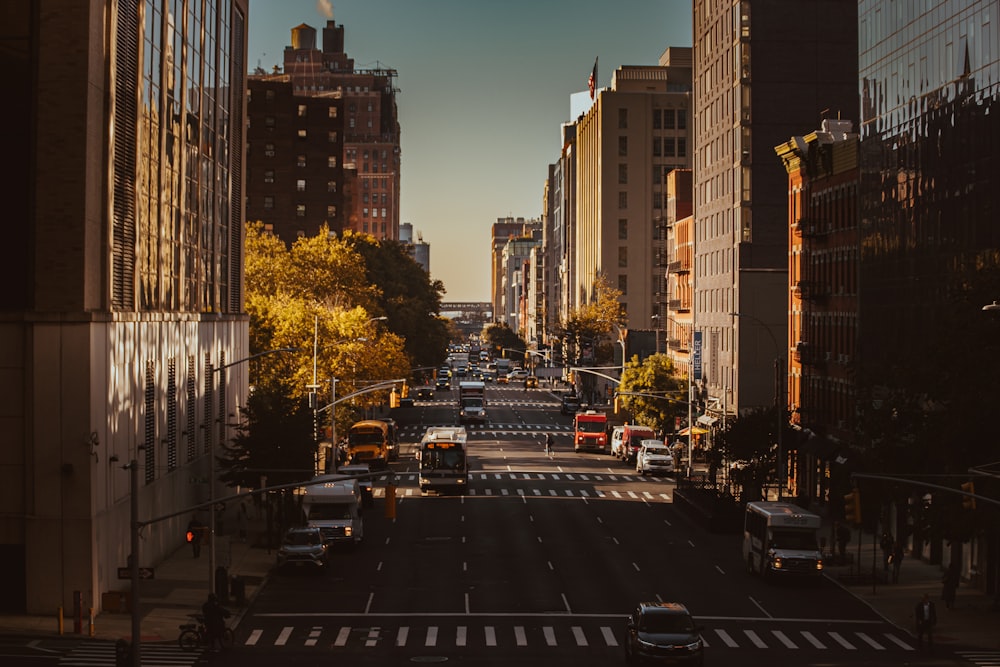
pixel 779 396
pixel 211 460
pixel 690 393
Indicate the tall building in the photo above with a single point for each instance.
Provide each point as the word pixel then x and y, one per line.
pixel 367 119
pixel 501 232
pixel 632 136
pixel 763 70
pixel 419 249
pixel 123 292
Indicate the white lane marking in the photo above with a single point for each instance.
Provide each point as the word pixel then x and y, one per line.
pixel 843 642
pixel 400 636
pixel 757 641
pixel 373 637
pixel 899 642
pixel 519 636
pixel 566 603
pixel 581 639
pixel 758 605
pixel 550 635
pixel 726 639
pixel 783 638
pixel 609 636
pixel 871 642
pixel 254 637
pixel 460 635
pixel 283 636
pixel 432 636
pixel 342 636
pixel 811 638
pixel 491 635
pixel 720 570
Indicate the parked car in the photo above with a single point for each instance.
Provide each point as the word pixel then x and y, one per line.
pixel 616 441
pixel 663 632
pixel 303 546
pixel 570 404
pixel 654 457
pixel 531 382
pixel 425 392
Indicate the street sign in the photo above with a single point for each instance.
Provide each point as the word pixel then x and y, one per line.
pixel 697 355
pixel 144 573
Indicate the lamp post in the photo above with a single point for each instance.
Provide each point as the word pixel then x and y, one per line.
pixel 690 396
pixel 211 462
pixel 779 396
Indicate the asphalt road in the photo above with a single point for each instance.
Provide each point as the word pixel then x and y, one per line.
pixel 538 564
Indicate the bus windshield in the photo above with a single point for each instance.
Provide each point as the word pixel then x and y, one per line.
pixel 451 458
pixel 590 427
pixel 794 539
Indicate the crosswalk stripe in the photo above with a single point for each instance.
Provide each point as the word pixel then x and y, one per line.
pixel 899 642
pixel 843 642
pixel 314 635
pixel 491 635
pixel 783 638
pixel 726 639
pixel 581 639
pixel 283 636
pixel 550 635
pixel 372 639
pixel 432 636
pixel 460 634
pixel 755 638
pixel 871 642
pixel 254 637
pixel 609 636
pixel 401 636
pixel 811 638
pixel 519 637
pixel 342 636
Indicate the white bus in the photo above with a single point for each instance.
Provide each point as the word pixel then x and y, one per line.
pixel 443 461
pixel 779 539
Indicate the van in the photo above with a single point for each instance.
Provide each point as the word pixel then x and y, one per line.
pixel 616 441
pixel 632 438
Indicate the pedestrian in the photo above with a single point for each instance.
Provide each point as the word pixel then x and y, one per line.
pixel 548 444
pixel 843 536
pixel 950 585
pixel 243 520
pixel 896 559
pixel 886 544
pixel 926 618
pixel 215 621
pixel 195 530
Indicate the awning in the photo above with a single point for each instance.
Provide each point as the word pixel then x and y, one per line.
pixel 707 420
pixel 696 431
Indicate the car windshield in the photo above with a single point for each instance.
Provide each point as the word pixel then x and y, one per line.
pixel 437 459
pixel 301 538
pixel 657 451
pixel 794 539
pixel 329 511
pixel 590 427
pixel 472 402
pixel 666 623
pixel 366 437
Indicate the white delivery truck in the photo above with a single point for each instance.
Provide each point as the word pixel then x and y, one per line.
pixel 472 402
pixel 332 503
pixel 779 540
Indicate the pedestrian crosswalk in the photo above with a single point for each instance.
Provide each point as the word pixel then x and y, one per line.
pixel 460 635
pixel 490 429
pixel 546 484
pixel 981 658
pixel 99 654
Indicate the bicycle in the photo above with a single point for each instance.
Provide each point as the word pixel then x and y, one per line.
pixel 195 635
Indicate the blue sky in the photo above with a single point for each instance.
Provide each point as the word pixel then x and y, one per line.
pixel 484 87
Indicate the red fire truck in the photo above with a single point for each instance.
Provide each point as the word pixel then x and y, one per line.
pixel 590 431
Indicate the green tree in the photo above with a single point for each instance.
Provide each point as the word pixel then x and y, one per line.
pixel 748 445
pixel 653 392
pixel 500 339
pixel 596 321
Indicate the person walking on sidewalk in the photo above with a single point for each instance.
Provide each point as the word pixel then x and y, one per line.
pixel 950 585
pixel 215 621
pixel 886 544
pixel 194 534
pixel 926 618
pixel 896 558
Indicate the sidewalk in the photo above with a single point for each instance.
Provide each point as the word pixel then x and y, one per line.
pixel 180 586
pixel 972 623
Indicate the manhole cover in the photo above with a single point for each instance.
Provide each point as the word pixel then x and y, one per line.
pixel 429 658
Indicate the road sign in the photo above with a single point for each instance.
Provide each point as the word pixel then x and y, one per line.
pixel 697 355
pixel 144 573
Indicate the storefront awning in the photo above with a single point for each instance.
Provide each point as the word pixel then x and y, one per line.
pixel 707 420
pixel 696 431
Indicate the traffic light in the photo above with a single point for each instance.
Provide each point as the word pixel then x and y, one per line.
pixel 617 404
pixel 969 502
pixel 852 506
pixel 406 390
pixel 394 398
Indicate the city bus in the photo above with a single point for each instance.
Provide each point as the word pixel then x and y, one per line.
pixel 779 539
pixel 443 460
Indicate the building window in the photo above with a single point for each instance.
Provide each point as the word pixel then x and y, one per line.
pixel 657 147
pixel 623 174
pixel 303 135
pixel 623 119
pixel 268 202
pixel 300 185
pixel 374 212
pixel 668 147
pixel 622 256
pixel 331 211
pixel 331 186
pixel 364 198
pixel 331 162
pixel 300 160
pixel 623 284
pixel 364 214
pixel 622 200
pixel 332 137
pixel 331 112
pixel 668 119
pixel 269 176
pixel 681 147
pixel 300 210
pixel 350 122
pixel 269 122
pixel 622 229
pixel 383 212
pixel 302 111
pixel 268 150
pixel 622 146
pixel 269 95
pixel 657 119
pixel 681 119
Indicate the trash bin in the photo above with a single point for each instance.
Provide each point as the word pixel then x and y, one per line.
pixel 221 583
pixel 238 589
pixel 123 653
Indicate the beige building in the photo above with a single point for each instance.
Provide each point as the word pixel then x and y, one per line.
pixel 123 290
pixel 635 133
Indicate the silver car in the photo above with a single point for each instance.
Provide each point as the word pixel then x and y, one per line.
pixel 654 457
pixel 303 546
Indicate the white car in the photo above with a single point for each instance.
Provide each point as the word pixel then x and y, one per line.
pixel 516 375
pixel 654 457
pixel 616 441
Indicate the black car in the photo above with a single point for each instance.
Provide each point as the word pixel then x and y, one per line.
pixel 425 392
pixel 442 383
pixel 570 404
pixel 664 633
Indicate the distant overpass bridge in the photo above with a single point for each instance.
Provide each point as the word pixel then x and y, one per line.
pixel 469 316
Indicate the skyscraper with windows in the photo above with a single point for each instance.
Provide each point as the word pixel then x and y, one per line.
pixel 123 282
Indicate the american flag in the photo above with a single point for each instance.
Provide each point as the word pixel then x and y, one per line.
pixel 592 80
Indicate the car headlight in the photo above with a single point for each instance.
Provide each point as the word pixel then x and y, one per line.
pixel 694 646
pixel 776 563
pixel 348 531
pixel 644 644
